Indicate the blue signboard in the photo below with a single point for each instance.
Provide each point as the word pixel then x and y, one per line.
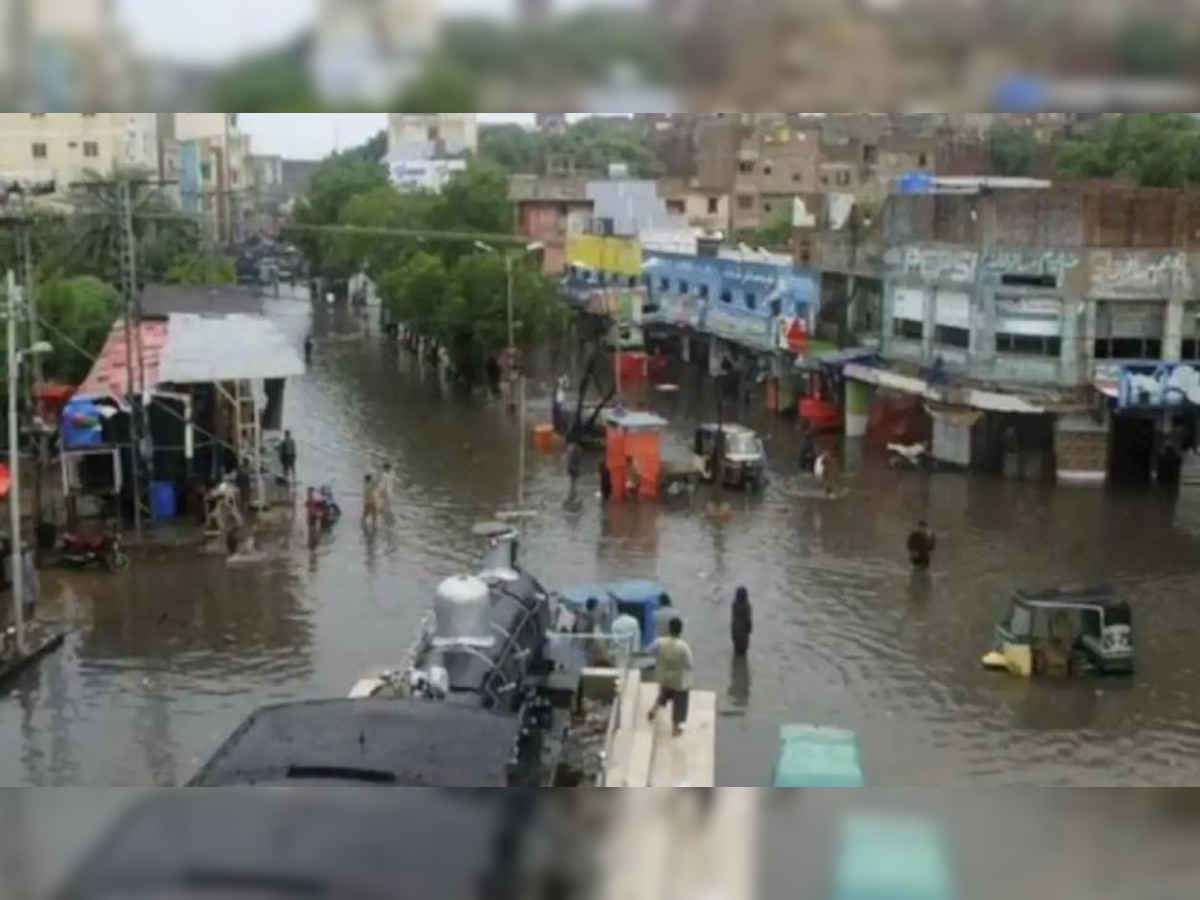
pixel 1158 386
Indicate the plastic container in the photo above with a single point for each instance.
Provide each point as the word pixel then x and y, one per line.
pixel 163 502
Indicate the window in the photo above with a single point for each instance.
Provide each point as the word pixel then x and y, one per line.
pixel 1037 281
pixel 767 169
pixel 746 168
pixel 684 287
pixel 1130 330
pixel 39 151
pixel 676 207
pixel 633 281
pixel 797 177
pixel 726 296
pixel 923 160
pixel 745 201
pixel 714 206
pixel 37 115
pixel 767 207
pixel 870 155
pixel 664 284
pixel 1190 349
pixel 702 290
pixel 948 336
pixel 432 133
pixel 843 178
pixel 1029 345
pixel 751 300
pixel 908 329
pixel 89 115
pixel 206 171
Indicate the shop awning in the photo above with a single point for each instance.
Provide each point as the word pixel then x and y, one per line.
pixel 961 416
pixel 974 398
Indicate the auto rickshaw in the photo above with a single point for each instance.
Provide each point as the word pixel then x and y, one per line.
pixel 744 463
pixel 1065 632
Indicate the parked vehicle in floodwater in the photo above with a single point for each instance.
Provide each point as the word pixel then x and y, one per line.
pixel 1065 632
pixel 744 461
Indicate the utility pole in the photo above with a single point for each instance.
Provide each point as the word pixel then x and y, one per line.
pixel 14 468
pixel 29 276
pixel 127 256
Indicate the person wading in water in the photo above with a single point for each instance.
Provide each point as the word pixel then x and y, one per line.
pixel 741 625
pixel 921 544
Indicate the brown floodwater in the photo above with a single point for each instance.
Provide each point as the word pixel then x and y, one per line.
pixel 165 661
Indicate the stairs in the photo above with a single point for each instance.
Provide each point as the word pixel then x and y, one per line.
pixel 645 754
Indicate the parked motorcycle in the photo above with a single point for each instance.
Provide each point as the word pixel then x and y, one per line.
pixel 904 456
pixel 82 550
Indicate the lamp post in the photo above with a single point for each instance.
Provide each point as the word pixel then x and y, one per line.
pixel 516 380
pixel 15 358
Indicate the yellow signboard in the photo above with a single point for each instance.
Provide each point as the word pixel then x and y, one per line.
pixel 611 255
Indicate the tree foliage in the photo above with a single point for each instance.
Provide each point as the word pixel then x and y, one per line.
pixel 434 279
pixel 1151 149
pixel 592 144
pixel 78 313
pixel 1012 151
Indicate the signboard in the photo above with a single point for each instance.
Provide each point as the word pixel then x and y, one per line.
pixel 748 329
pixel 424 174
pixel 1156 387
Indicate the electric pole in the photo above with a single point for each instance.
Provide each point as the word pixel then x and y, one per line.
pixel 127 258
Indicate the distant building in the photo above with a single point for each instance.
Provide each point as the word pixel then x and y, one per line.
pixel 369 50
pixel 223 157
pixel 431 136
pixel 552 123
pixel 63 146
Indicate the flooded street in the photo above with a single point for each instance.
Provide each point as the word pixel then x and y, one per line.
pixel 167 660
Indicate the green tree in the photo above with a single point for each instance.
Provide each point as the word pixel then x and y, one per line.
pixel 773 236
pixel 1151 149
pixel 201 269
pixel 335 183
pixel 1012 151
pixel 475 200
pixel 79 313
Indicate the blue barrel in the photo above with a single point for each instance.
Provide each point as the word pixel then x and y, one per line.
pixel 163 503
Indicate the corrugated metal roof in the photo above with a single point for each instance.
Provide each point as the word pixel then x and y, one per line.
pixel 109 375
pixel 204 349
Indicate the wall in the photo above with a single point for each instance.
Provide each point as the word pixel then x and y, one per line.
pixel 744 303
pixel 613 256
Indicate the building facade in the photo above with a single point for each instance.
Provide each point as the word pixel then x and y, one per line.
pixel 63 146
pixel 222 161
pixel 433 136
pixel 1020 314
pixel 368 51
pixel 551 211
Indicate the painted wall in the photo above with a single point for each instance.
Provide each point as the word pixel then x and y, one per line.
pixel 1034 294
pixel 611 256
pixel 744 303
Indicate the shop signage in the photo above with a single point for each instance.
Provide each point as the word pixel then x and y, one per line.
pixel 1164 386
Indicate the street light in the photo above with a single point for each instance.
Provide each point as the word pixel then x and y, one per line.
pixel 15 359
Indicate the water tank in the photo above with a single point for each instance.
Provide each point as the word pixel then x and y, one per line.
pixel 462 612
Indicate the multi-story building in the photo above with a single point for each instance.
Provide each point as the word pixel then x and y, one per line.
pixel 63 146
pixel 220 162
pixel 367 51
pixel 426 150
pixel 65 55
pixel 550 211
pixel 1045 329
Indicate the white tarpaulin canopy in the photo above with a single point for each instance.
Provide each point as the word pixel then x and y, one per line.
pixel 205 349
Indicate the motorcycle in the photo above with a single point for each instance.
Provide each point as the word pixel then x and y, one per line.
pixel 82 550
pixel 331 513
pixel 903 456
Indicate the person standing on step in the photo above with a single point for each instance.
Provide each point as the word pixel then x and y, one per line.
pixel 287 458
pixel 741 624
pixel 673 666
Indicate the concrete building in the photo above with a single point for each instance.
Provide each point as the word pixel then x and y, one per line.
pixel 63 146
pixel 551 211
pixel 65 55
pixel 1024 319
pixel 221 160
pixel 414 136
pixel 368 51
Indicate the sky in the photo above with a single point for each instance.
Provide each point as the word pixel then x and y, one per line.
pixel 316 135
